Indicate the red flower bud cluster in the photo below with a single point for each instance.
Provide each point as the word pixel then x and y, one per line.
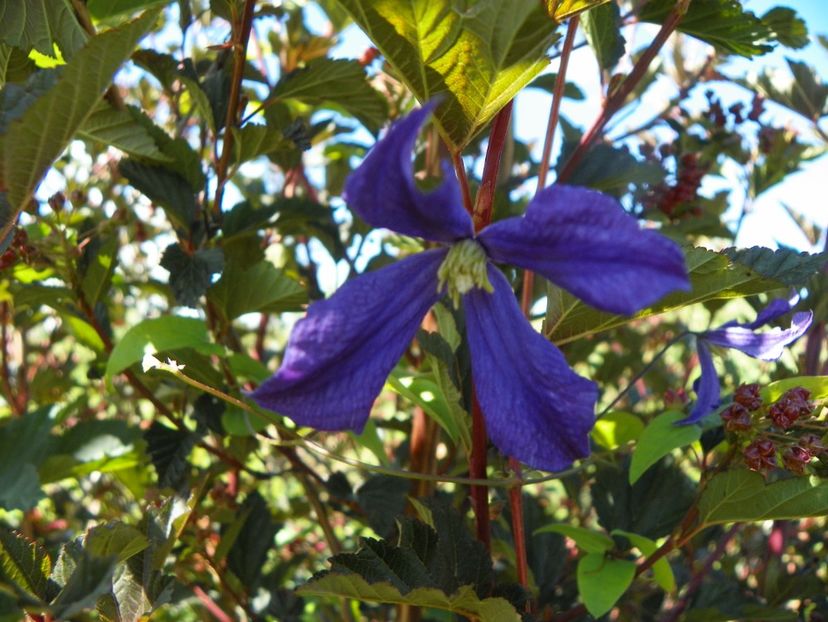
pixel 793 405
pixel 18 250
pixel 760 455
pixel 667 197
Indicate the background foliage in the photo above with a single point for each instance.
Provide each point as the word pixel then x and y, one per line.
pixel 170 189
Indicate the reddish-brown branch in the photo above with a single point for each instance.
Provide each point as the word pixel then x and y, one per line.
pixel 241 38
pixel 477 470
pixel 485 195
pixel 616 100
pixel 460 171
pixel 16 399
pixel 211 606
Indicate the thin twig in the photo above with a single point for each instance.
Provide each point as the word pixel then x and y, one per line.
pixel 241 38
pixel 618 98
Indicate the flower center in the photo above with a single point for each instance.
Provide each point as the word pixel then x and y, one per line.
pixel 463 269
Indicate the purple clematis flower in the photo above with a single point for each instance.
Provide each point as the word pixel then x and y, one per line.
pixel 767 346
pixel 536 408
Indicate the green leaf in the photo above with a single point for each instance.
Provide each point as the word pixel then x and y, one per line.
pixel 559 10
pixel 788 28
pixel 169 449
pixel 602 581
pixel 253 141
pixel 253 541
pixel 616 429
pixel 15 65
pixel 101 9
pixel 38 137
pixel 742 496
pixel 608 168
pixel 382 497
pixel 588 540
pixel 120 129
pixel 40 26
pixel 169 332
pixel 25 564
pixel 190 275
pixel 164 186
pixel 337 83
pixel 806 93
pixel 787 266
pixel 115 539
pixel 662 572
pixel 24 443
pixel 91 579
pixel 602 27
pixel 659 438
pixel 723 24
pixel 425 393
pixel 98 262
pixel 463 602
pixel 475 60
pixel 817 385
pixel 546 82
pixel 712 277
pixel 255 289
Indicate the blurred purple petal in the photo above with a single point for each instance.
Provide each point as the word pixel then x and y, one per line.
pixel 706 386
pixel 767 345
pixel 583 241
pixel 339 356
pixel 382 190
pixel 536 408
pixel 774 309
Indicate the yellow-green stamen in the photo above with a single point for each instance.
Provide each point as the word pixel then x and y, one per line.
pixel 463 269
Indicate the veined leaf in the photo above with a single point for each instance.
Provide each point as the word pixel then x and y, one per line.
pixel 602 27
pixel 787 266
pixel 806 93
pixel 261 287
pixel 712 277
pixel 662 572
pixel 40 25
pixel 602 581
pixel 658 439
pixel 476 60
pixel 339 83
pixel 120 129
pixel 817 385
pixel 101 9
pixel 37 138
pixel 723 24
pixel 587 540
pixel 742 495
pixel 24 563
pixel 15 65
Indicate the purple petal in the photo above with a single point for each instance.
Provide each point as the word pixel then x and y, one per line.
pixel 583 241
pixel 382 190
pixel 706 386
pixel 339 356
pixel 774 309
pixel 536 408
pixel 767 345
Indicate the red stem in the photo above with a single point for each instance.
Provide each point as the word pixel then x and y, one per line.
pixel 617 98
pixel 477 470
pixel 485 195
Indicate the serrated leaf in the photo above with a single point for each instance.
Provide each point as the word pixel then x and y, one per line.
pixel 24 563
pixel 602 581
pixel 463 602
pixel 38 137
pixel 164 186
pixel 804 92
pixel 253 541
pixel 190 275
pixel 115 539
pixel 101 9
pixel 587 540
pixel 15 65
pixel 787 266
pixel 258 288
pixel 712 277
pixel 659 438
pixel 559 10
pixel 475 60
pixel 602 27
pixel 788 28
pixel 41 25
pixel 339 83
pixel 610 169
pixel 723 24
pixel 91 579
pixel 253 141
pixel 169 332
pixel 741 496
pixel 169 449
pixel 120 129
